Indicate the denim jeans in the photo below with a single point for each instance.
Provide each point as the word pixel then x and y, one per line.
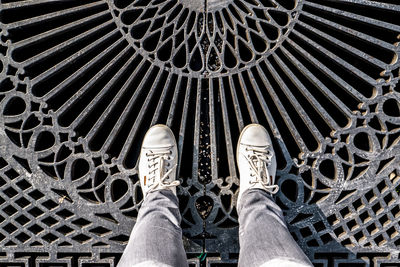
pixel 156 239
pixel 263 235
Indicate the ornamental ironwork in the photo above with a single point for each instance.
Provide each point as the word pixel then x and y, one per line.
pixel 82 81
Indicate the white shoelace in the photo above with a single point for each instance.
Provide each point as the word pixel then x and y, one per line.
pixel 259 160
pixel 155 159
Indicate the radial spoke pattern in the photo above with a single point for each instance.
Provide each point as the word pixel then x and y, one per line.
pixel 82 81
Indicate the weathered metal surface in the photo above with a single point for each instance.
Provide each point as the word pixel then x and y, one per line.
pixel 82 81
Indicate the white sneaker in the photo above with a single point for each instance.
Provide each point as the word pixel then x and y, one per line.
pixel 256 160
pixel 158 160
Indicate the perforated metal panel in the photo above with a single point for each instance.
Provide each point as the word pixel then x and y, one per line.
pixel 82 81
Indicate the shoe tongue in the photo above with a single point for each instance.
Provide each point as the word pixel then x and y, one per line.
pixel 161 167
pixel 261 168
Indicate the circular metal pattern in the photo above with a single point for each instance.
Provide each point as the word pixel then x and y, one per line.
pixel 196 38
pixel 82 81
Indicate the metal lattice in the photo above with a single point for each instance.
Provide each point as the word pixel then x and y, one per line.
pixel 82 81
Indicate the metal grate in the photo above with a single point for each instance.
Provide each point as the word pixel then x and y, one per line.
pixel 82 81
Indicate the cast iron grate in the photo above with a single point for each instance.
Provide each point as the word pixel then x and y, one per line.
pixel 82 81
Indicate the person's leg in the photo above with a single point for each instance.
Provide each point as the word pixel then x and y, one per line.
pixel 156 239
pixel 263 235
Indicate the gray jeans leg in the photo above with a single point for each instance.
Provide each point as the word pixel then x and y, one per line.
pixel 263 234
pixel 156 238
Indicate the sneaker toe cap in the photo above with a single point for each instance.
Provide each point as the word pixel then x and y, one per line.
pixel 159 136
pixel 255 135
